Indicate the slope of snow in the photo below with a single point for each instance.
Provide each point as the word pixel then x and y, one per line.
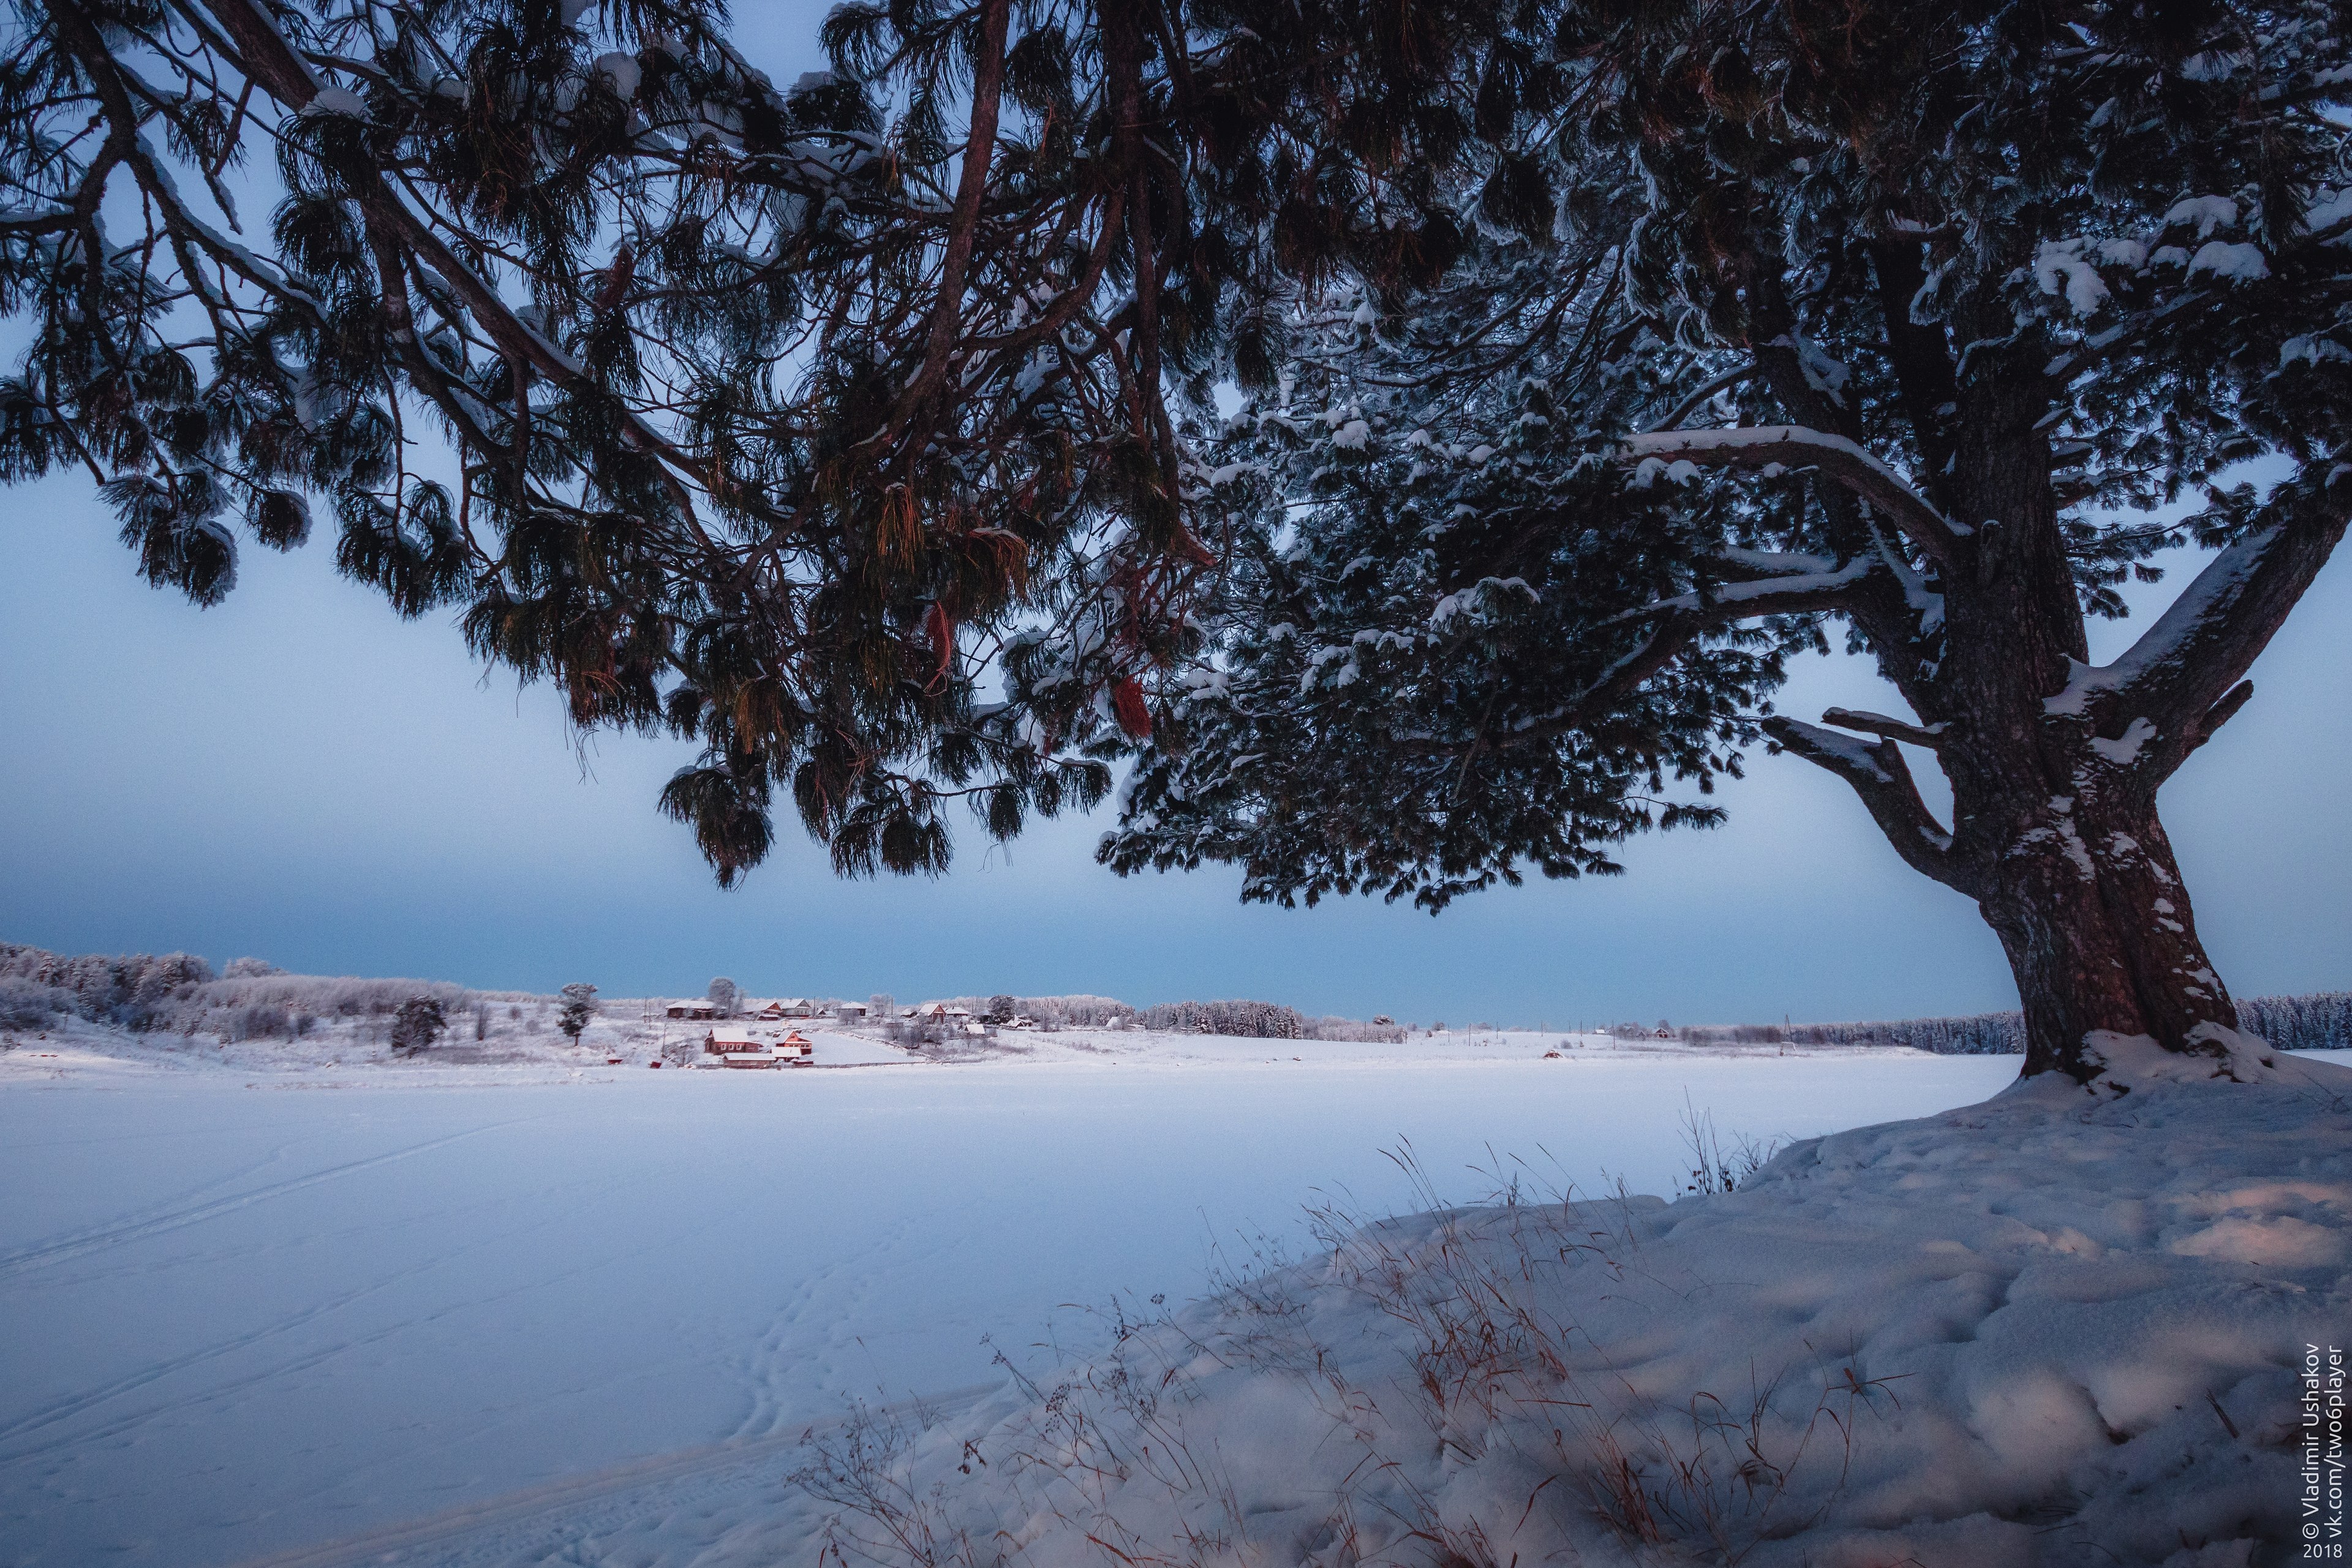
pixel 250 1311
pixel 2047 1328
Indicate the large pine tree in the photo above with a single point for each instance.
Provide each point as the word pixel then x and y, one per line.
pixel 1929 323
pixel 1599 357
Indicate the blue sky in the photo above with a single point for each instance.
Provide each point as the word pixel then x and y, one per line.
pixel 298 774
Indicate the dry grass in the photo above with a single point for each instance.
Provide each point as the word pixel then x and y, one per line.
pixel 1483 1365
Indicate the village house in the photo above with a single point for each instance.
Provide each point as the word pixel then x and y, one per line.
pixel 784 1007
pixel 735 1046
pixel 690 1010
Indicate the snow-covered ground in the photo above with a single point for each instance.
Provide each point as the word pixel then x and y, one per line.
pixel 523 1043
pixel 254 1303
pixel 1147 1047
pixel 2052 1328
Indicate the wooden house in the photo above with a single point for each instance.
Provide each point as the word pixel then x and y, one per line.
pixel 690 1010
pixel 733 1046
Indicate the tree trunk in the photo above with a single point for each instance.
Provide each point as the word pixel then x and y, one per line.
pixel 2056 834
pixel 2089 906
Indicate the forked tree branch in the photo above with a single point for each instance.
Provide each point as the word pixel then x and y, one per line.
pixel 1878 774
pixel 2183 673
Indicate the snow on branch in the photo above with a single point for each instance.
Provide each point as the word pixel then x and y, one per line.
pixel 2184 672
pixel 1737 559
pixel 1818 590
pixel 1793 446
pixel 1878 774
pixel 1928 735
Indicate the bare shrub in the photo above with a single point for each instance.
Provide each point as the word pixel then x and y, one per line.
pixel 257 1021
pixel 881 1514
pixel 1713 1168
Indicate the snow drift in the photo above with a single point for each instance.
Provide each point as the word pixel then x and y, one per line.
pixel 2049 1328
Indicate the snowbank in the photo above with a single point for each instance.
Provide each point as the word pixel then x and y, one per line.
pixel 2047 1328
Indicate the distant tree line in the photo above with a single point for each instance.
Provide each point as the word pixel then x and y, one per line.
pixel 1239 1019
pixel 1260 1021
pixel 1977 1035
pixel 2321 1021
pixel 1081 1011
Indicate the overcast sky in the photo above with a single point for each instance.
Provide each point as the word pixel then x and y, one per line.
pixel 300 775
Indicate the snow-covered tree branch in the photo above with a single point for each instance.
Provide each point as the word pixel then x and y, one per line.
pixel 1781 447
pixel 1878 774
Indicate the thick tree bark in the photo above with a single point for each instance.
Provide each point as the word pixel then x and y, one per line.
pixel 2090 909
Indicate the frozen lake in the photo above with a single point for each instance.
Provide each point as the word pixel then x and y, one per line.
pixel 243 1317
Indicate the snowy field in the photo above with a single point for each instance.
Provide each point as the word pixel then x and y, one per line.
pixel 581 1314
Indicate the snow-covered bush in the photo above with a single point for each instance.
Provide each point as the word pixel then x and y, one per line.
pixel 257 1021
pixel 139 991
pixel 417 1024
pixel 176 992
pixel 1354 1030
pixel 29 1004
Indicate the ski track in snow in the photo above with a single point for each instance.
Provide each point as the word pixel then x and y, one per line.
pixel 138 1227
